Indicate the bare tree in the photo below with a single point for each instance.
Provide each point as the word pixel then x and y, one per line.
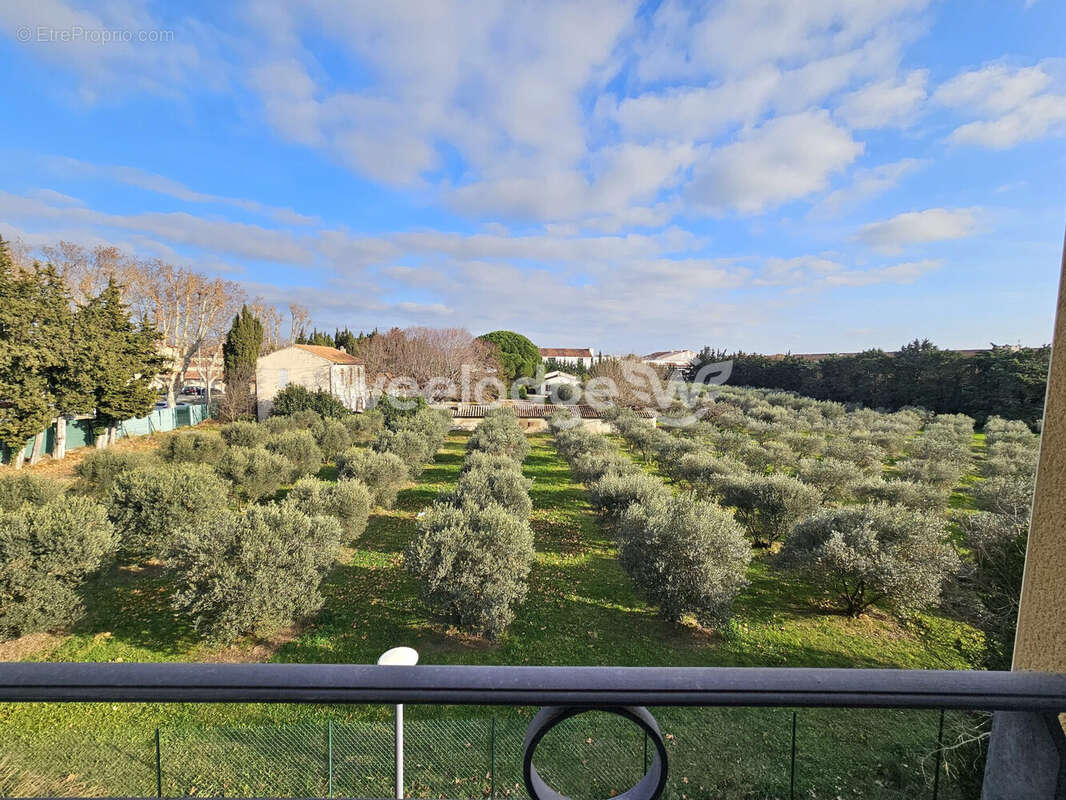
pixel 299 319
pixel 87 270
pixel 437 358
pixel 271 320
pixel 188 308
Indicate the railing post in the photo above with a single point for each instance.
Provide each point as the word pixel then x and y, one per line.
pixel 492 760
pixel 329 746
pixel 158 766
pixel 792 763
pixel 939 756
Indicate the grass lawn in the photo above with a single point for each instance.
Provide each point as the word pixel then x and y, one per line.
pixel 581 609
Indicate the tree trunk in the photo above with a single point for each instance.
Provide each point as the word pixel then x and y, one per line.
pixel 60 451
pixel 112 436
pixel 172 391
pixel 19 458
pixel 101 441
pixel 38 448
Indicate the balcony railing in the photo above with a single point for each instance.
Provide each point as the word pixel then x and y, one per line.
pixel 562 692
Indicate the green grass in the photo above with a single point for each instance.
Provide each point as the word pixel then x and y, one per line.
pixel 581 609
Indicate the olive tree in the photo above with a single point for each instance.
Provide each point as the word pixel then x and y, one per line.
pixel 26 488
pixel 192 447
pixel 686 556
pixel 149 505
pixel 472 564
pixel 244 434
pixel 384 474
pixel 865 554
pixel 614 493
pixel 254 471
pixel 834 478
pixel 499 432
pixel 252 573
pixel 46 553
pixel 506 488
pixel 347 501
pixel 768 505
pixel 299 448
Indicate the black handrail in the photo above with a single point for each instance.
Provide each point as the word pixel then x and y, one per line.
pixel 540 686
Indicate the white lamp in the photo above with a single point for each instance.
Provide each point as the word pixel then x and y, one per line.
pixel 399 657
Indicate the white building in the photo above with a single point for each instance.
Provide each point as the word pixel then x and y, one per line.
pixel 670 358
pixel 568 355
pixel 314 367
pixel 557 378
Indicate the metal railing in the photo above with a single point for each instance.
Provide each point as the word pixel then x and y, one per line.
pixel 563 692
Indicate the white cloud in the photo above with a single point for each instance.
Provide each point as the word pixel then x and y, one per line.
pixel 907 272
pixel 884 103
pixel 865 183
pixel 1012 102
pixel 160 184
pixel 785 159
pixel 919 227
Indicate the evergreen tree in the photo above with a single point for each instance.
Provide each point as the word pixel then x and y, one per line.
pixel 127 358
pixel 346 340
pixel 26 355
pixel 240 351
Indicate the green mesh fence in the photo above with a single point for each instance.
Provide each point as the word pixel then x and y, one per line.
pixel 721 753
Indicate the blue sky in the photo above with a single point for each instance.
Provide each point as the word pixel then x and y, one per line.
pixel 770 176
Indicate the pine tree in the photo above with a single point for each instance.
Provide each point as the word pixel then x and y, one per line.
pixel 26 404
pixel 127 359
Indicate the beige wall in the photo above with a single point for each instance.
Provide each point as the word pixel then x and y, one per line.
pixel 291 365
pixel 1040 643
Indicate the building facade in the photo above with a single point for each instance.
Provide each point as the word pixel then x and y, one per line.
pixel 568 355
pixel 315 368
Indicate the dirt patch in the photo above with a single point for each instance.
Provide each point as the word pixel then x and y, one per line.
pixel 28 645
pixel 51 468
pixel 254 652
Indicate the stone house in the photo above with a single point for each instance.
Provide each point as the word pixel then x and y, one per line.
pixel 314 367
pixel 568 355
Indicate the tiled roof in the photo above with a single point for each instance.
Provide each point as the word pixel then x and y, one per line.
pixel 330 354
pixel 536 411
pixel 567 352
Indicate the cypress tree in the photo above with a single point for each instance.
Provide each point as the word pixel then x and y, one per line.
pixel 240 351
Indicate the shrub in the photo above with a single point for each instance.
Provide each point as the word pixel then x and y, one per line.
pixel 384 474
pixel 873 552
pixel 411 447
pixel 299 448
pixel 768 505
pixel 612 494
pixel 700 470
pixel 149 505
pixel 254 471
pixel 100 467
pixel 572 441
pixel 945 474
pixel 394 409
pixel 1011 496
pixel 590 467
pixel 686 556
pixel 295 398
pixel 919 496
pixel 479 460
pixel 27 488
pixel 866 456
pixel 193 448
pixel 499 433
pixel 431 424
pixel 997 545
pixel 472 564
pixel 347 501
pixel 252 573
pixel 366 425
pixel 503 487
pixel 46 553
pixel 332 438
pixel 244 434
pixel 835 479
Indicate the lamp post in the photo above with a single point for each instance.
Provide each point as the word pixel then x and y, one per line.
pixel 402 657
